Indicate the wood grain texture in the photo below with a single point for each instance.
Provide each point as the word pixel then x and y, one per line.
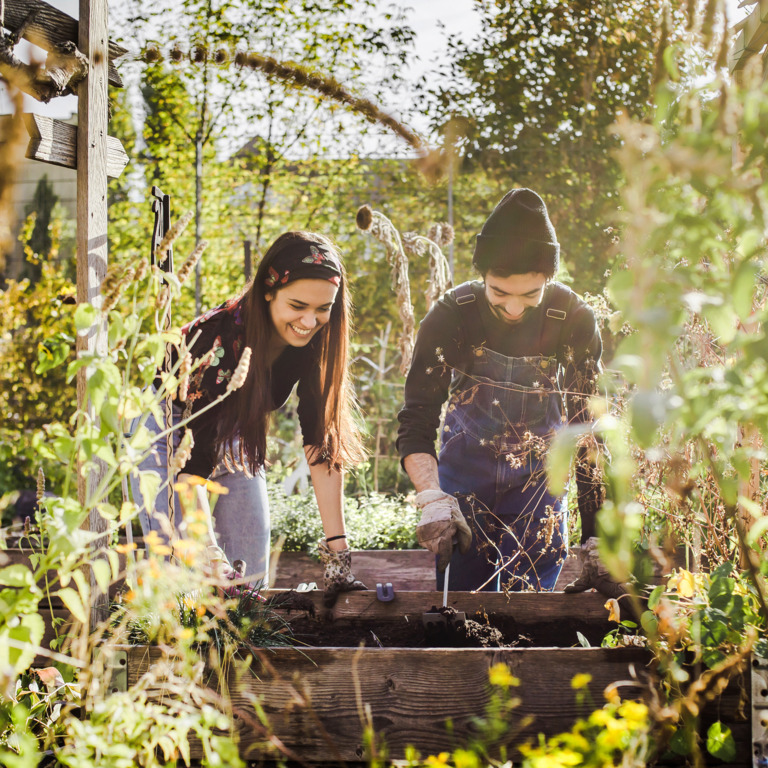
pixel 92 238
pixel 53 141
pixel 51 27
pixel 526 607
pixel 309 695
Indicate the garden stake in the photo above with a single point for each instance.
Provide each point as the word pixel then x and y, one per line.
pixel 436 617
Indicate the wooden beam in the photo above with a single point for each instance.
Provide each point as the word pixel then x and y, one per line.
pixel 50 27
pixel 526 607
pixel 93 109
pixel 55 142
pixel 752 36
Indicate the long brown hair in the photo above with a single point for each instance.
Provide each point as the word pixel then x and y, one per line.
pixel 246 413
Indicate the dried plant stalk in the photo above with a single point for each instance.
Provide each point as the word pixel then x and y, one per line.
pixel 385 232
pixel 439 271
pixel 191 262
pixel 161 252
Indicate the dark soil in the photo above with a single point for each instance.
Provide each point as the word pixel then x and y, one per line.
pixel 478 631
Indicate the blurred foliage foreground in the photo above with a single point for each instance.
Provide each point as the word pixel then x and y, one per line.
pixel 683 433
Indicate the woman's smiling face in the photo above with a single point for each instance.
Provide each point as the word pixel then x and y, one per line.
pixel 300 310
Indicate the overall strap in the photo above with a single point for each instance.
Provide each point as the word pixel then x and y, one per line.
pixel 559 303
pixel 472 328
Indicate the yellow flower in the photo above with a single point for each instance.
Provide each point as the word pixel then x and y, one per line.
pixel 437 761
pixel 464 758
pixel 499 674
pixel 125 548
pixel 684 582
pixel 186 634
pixel 634 712
pixel 156 544
pixel 614 612
pixel 581 680
pixel 612 695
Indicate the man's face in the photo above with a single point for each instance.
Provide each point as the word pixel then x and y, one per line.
pixel 511 296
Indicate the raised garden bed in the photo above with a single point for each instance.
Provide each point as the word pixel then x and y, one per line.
pixel 314 697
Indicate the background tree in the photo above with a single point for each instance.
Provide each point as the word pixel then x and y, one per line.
pixel 532 99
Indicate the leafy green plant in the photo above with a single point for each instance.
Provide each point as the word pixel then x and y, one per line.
pixel 374 521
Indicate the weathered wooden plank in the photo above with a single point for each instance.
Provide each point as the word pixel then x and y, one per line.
pixel 92 238
pixel 53 141
pixel 405 569
pixel 50 27
pixel 526 607
pixel 411 693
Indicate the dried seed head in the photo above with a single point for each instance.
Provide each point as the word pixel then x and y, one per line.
pixel 40 484
pixel 161 253
pixel 142 269
pixel 241 59
pixel 198 54
pixel 191 262
pixel 111 299
pixel 364 217
pixel 221 56
pixel 163 297
pixel 176 53
pixel 184 370
pixel 182 454
pixel 27 525
pixel 241 372
pixel 152 53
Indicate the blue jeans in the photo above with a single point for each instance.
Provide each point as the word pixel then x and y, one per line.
pixel 240 518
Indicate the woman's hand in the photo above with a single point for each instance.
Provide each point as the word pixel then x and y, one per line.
pixel 338 576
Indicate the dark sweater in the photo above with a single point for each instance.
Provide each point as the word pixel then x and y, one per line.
pixel 441 346
pixel 221 329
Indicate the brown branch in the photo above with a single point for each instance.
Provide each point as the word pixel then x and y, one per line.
pixel 64 68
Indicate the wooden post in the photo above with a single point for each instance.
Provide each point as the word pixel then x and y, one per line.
pixel 92 220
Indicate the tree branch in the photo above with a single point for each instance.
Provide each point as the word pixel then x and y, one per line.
pixel 64 68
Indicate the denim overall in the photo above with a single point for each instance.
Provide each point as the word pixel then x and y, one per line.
pixel 499 422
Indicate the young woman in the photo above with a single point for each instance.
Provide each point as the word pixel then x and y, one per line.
pixel 294 318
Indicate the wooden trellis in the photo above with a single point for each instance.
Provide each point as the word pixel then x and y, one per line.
pixel 80 59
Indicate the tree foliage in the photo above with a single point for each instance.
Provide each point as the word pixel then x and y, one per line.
pixel 531 100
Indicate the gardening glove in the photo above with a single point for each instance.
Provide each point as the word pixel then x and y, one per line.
pixel 441 525
pixel 594 575
pixel 218 564
pixel 338 576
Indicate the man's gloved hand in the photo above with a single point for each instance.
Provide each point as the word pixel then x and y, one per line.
pixel 594 575
pixel 338 576
pixel 441 524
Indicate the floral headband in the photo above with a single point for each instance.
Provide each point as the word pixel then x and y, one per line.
pixel 303 260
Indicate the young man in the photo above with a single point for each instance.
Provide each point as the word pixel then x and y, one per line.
pixel 516 356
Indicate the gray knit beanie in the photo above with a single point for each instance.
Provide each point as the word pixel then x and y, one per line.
pixel 518 238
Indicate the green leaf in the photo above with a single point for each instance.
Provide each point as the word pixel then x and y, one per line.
pixel 85 316
pixel 559 457
pixel 743 289
pixel 101 574
pixel 149 485
pixel 53 352
pixel 29 630
pixel 720 742
pixel 583 642
pixel 17 576
pixel 655 596
pixel 72 600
